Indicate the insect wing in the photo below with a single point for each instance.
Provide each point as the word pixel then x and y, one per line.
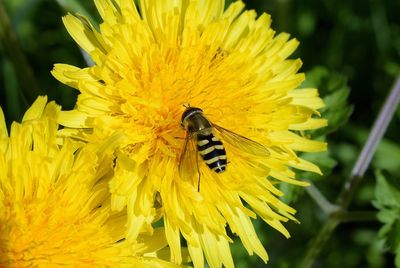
pixel 188 162
pixel 242 143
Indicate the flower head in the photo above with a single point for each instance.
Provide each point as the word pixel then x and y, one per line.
pixel 149 64
pixel 54 201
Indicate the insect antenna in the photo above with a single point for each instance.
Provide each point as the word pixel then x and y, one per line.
pixel 186 105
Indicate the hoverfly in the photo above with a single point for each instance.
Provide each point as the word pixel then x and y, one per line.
pixel 202 131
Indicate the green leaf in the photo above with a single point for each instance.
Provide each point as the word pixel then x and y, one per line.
pixel 393 236
pixel 387 200
pixel 334 90
pixel 323 160
pixel 386 215
pixel 390 233
pixel 387 192
pixel 290 192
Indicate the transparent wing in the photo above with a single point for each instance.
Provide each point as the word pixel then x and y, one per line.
pixel 242 143
pixel 188 162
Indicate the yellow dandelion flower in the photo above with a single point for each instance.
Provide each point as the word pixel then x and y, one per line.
pixel 153 62
pixel 55 206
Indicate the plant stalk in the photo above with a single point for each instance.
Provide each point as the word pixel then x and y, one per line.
pixel 326 206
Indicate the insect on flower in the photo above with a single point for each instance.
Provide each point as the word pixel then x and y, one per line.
pixel 201 131
pixel 153 56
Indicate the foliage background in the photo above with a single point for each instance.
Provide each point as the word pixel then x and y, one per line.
pixel 350 51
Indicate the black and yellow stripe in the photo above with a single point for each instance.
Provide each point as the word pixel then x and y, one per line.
pixel 212 151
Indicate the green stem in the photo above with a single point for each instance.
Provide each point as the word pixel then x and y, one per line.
pixel 12 48
pixel 326 206
pixel 353 216
pixel 318 242
pixel 346 195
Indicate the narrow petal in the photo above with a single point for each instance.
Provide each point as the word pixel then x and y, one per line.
pixel 36 110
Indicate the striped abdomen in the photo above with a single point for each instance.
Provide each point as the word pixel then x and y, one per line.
pixel 212 151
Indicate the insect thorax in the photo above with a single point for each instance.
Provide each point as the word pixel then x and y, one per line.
pixel 196 122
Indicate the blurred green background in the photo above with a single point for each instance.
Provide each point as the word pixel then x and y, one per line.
pixel 350 51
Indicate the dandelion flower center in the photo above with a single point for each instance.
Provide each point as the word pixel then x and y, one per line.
pixel 179 77
pixel 30 234
pixel 55 208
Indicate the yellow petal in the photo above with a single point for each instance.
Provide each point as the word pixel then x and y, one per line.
pixel 311 123
pixel 84 33
pixel 36 110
